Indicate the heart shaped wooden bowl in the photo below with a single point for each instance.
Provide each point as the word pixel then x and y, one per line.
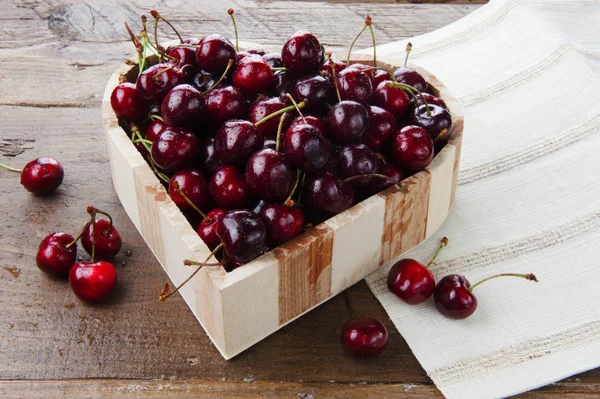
pixel 240 308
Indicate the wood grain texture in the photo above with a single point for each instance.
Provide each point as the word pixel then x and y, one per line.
pixel 55 59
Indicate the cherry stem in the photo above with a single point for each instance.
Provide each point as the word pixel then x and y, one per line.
pixel 230 12
pixel 279 129
pixel 191 263
pixel 279 69
pixel 443 243
pixel 155 118
pixel 69 245
pixel 93 236
pixel 301 187
pixel 442 134
pixel 161 72
pixel 279 112
pixel 352 178
pixel 229 64
pixel 158 173
pixel 9 168
pixel 411 90
pixel 529 276
pixel 188 262
pixel 143 141
pixel 369 23
pixel 135 132
pixel 91 209
pixel 408 50
pixel 157 16
pixel 288 95
pixel 288 201
pixel 335 83
pixel 354 41
pixel 190 203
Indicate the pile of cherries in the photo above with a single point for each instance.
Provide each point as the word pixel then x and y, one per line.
pixel 91 281
pixel 254 147
pixel 413 283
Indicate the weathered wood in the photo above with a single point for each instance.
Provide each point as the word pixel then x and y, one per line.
pixel 55 59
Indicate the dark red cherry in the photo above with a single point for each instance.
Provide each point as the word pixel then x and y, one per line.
pixel 306 148
pixel 241 55
pixel 253 75
pixel 282 222
pixel 243 234
pixel 437 121
pixel 231 265
pixel 237 140
pixel 127 102
pixel 283 83
pixel 207 229
pixel 228 188
pixel 355 160
pixel 431 99
pixel 180 56
pixel 410 281
pixel 274 60
pixel 92 282
pixel 453 298
pixel 325 196
pixel 183 106
pixel 382 126
pixel 337 65
pixel 364 336
pixel 155 82
pixel 208 159
pixel 193 185
pixel 265 107
pixel 53 256
pixel 42 176
pixel 312 120
pixel 155 128
pixel 203 80
pixel 175 149
pixel 379 76
pixel 224 103
pixel 315 90
pixel 410 77
pixel 270 143
pixel 354 85
pixel 256 50
pixel 270 175
pixel 347 122
pixel 108 240
pixel 394 175
pixel 392 99
pixel 412 148
pixel 302 53
pixel 214 53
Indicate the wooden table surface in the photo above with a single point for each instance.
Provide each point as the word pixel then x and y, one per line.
pixel 55 59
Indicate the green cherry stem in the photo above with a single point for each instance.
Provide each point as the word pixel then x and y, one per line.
pixel 289 201
pixel 9 168
pixel 529 276
pixel 367 22
pixel 190 203
pixel 137 135
pixel 158 173
pixel 411 90
pixel 301 187
pixel 288 95
pixel 335 83
pixel 218 82
pixel 279 112
pixel 279 69
pixel 230 12
pixel 443 243
pixel 408 50
pixel 279 129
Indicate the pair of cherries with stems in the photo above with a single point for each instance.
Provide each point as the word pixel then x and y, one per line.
pixel 91 281
pixel 42 176
pixel 413 283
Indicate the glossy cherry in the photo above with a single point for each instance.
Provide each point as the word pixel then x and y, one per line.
pixel 347 122
pixel 183 106
pixel 224 103
pixel 180 55
pixel 325 196
pixel 382 126
pixel 454 298
pixel 265 107
pixel 155 82
pixel 243 234
pixel 410 77
pixel 155 128
pixel 237 140
pixel 384 168
pixel 284 82
pixel 315 90
pixel 253 75
pixel 92 281
pixel 355 85
pixel 214 53
pixel 228 188
pixel 355 160
pixel 306 148
pixel 274 60
pixel 42 175
pixel 107 240
pixel 379 76
pixel 193 184
pixel 208 159
pixel 364 336
pixel 127 102
pixel 393 99
pixel 175 149
pixel 270 175
pixel 437 121
pixel 282 222
pixel 326 68
pixel 203 80
pixel 431 99
pixel 412 148
pixel 57 254
pixel 312 120
pixel 302 53
pixel 207 229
